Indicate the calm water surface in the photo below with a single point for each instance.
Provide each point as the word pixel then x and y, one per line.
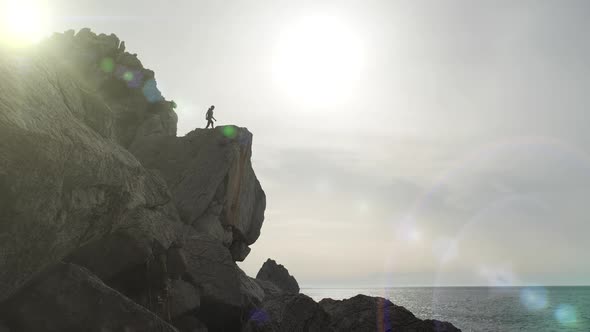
pixel 487 309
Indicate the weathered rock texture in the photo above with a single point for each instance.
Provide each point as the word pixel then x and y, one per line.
pixel 278 275
pixel 161 243
pixel 289 312
pixel 63 183
pixel 364 313
pixel 109 222
pixel 128 89
pixel 67 297
pixel 212 181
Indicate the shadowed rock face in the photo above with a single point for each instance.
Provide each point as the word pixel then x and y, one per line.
pixel 288 312
pixel 67 297
pixel 364 313
pixel 278 275
pixel 64 179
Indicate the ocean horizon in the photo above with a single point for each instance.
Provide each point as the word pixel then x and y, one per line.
pixel 480 308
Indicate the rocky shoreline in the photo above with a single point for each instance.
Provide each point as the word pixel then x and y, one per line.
pixel 110 222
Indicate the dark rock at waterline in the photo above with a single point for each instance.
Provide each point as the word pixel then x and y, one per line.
pixel 66 297
pixel 364 313
pixel 288 312
pixel 278 275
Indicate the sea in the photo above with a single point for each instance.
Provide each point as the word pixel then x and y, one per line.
pixel 485 308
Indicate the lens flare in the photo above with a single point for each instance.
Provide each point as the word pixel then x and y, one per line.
pixel 259 317
pixel 566 315
pixel 383 314
pixel 534 298
pixel 128 76
pixel 107 65
pixel 229 131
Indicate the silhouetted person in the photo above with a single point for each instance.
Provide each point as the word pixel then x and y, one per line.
pixel 210 117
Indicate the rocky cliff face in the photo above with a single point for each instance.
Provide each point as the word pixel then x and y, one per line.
pixel 108 221
pixel 92 173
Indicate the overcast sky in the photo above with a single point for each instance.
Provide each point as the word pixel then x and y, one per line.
pixel 399 142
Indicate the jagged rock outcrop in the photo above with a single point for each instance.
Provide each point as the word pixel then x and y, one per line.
pixel 67 297
pixel 364 313
pixel 63 184
pixel 278 275
pixel 70 190
pixel 137 107
pixel 212 182
pixel 288 312
pixel 109 222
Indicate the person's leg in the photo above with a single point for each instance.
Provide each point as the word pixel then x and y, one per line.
pixel 208 123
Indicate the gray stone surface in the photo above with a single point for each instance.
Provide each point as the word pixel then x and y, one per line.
pixel 364 313
pixel 212 182
pixel 125 86
pixel 252 293
pixel 189 323
pixel 269 288
pixel 184 298
pixel 278 275
pixel 66 297
pixel 288 312
pixel 212 270
pixel 65 182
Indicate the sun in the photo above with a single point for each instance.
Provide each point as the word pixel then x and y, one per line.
pixel 24 22
pixel 318 60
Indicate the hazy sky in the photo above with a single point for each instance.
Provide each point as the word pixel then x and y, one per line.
pixel 399 142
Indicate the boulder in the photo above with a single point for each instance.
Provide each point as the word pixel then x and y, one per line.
pixel 213 185
pixel 278 275
pixel 183 298
pixel 365 313
pixel 66 297
pixel 212 270
pixel 288 312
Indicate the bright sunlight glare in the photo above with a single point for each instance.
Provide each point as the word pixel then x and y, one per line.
pixel 318 60
pixel 24 22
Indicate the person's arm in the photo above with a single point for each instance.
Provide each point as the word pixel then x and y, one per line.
pixel 214 118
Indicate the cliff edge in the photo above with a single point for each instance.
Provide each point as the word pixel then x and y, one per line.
pixel 109 221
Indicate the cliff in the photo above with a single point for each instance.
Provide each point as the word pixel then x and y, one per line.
pixel 108 220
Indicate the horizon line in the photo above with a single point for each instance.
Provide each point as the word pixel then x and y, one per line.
pixel 488 286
